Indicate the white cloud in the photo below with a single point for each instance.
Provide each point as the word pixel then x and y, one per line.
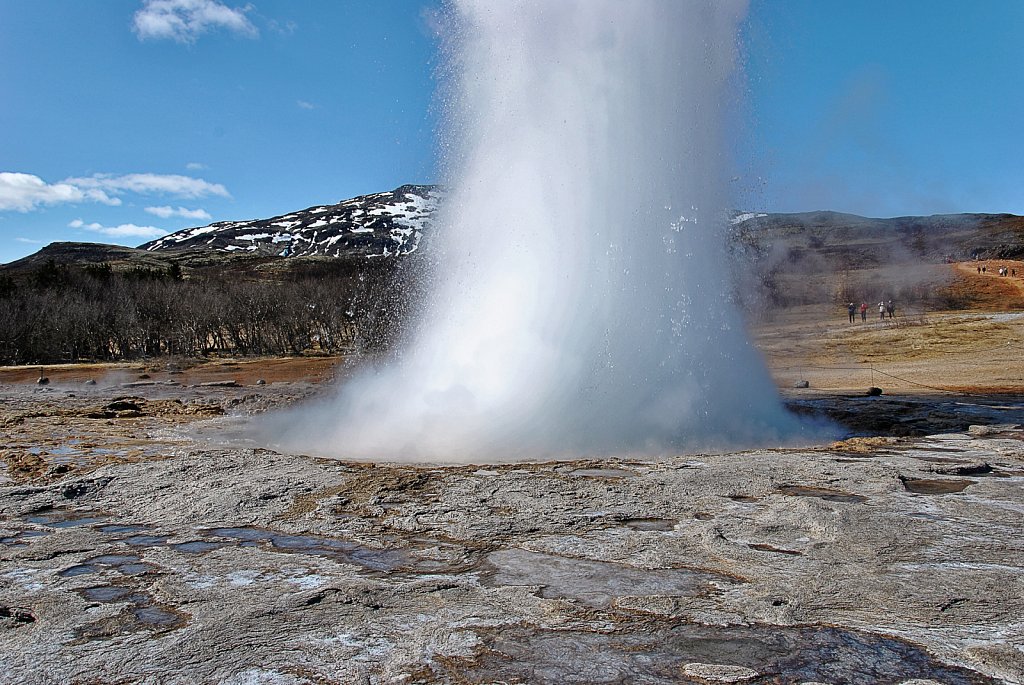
pixel 167 212
pixel 120 231
pixel 195 166
pixel 186 20
pixel 305 105
pixel 29 241
pixel 25 192
pixel 170 184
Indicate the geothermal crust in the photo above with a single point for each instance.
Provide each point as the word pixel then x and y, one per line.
pixel 135 549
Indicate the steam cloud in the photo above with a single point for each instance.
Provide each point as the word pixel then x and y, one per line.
pixel 581 291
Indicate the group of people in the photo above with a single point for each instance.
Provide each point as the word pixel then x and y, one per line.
pixel 883 309
pixel 1003 271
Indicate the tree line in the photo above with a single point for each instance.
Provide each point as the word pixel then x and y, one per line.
pixel 68 313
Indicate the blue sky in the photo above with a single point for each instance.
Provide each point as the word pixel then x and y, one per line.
pixel 123 119
pixel 886 107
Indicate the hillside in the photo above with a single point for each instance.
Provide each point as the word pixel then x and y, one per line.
pixel 827 257
pixel 862 241
pixel 335 278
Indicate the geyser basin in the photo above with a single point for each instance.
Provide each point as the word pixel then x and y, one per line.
pixel 581 291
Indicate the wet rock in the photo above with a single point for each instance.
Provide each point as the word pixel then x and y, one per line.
pixel 220 384
pixel 874 391
pixel 125 405
pixel 974 469
pixel 719 673
pixel 802 384
pixel 924 486
pixel 13 617
pixel 351 572
pixel 650 524
pixel 204 409
pixel 594 583
pixel 992 429
pixel 820 493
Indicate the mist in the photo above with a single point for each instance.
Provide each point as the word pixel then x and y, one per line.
pixel 580 291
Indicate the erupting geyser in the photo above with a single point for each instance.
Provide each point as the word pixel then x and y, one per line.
pixel 581 300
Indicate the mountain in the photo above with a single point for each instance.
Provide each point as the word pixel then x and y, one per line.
pixel 379 225
pixel 851 241
pixel 384 226
pixel 392 224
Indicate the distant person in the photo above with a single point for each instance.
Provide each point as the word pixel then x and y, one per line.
pixel 881 310
pixel 1013 272
pixel 979 269
pixel 890 308
pixel 851 309
pixel 984 269
pixel 863 311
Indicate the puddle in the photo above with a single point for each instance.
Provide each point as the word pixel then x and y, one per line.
pixel 820 493
pixel 63 518
pixel 651 524
pixel 424 556
pixel 351 552
pixel 746 499
pixel 703 516
pixel 125 564
pixel 658 655
pixel 80 570
pixel 144 615
pixel 108 594
pixel 121 528
pixel 197 546
pixel 961 469
pixel 602 473
pixel 923 486
pixel 144 540
pixel 157 617
pixel 21 538
pixel 595 583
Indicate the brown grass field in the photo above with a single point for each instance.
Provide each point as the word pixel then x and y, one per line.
pixel 974 350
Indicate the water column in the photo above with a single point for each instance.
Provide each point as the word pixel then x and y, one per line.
pixel 580 298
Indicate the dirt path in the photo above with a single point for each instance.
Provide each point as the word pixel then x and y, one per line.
pixel 987 289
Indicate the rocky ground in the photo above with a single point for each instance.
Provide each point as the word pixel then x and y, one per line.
pixel 137 548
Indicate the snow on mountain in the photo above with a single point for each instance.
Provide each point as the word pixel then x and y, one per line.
pixel 378 225
pixel 746 216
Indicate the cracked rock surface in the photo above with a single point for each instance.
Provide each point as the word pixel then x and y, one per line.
pixel 134 549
